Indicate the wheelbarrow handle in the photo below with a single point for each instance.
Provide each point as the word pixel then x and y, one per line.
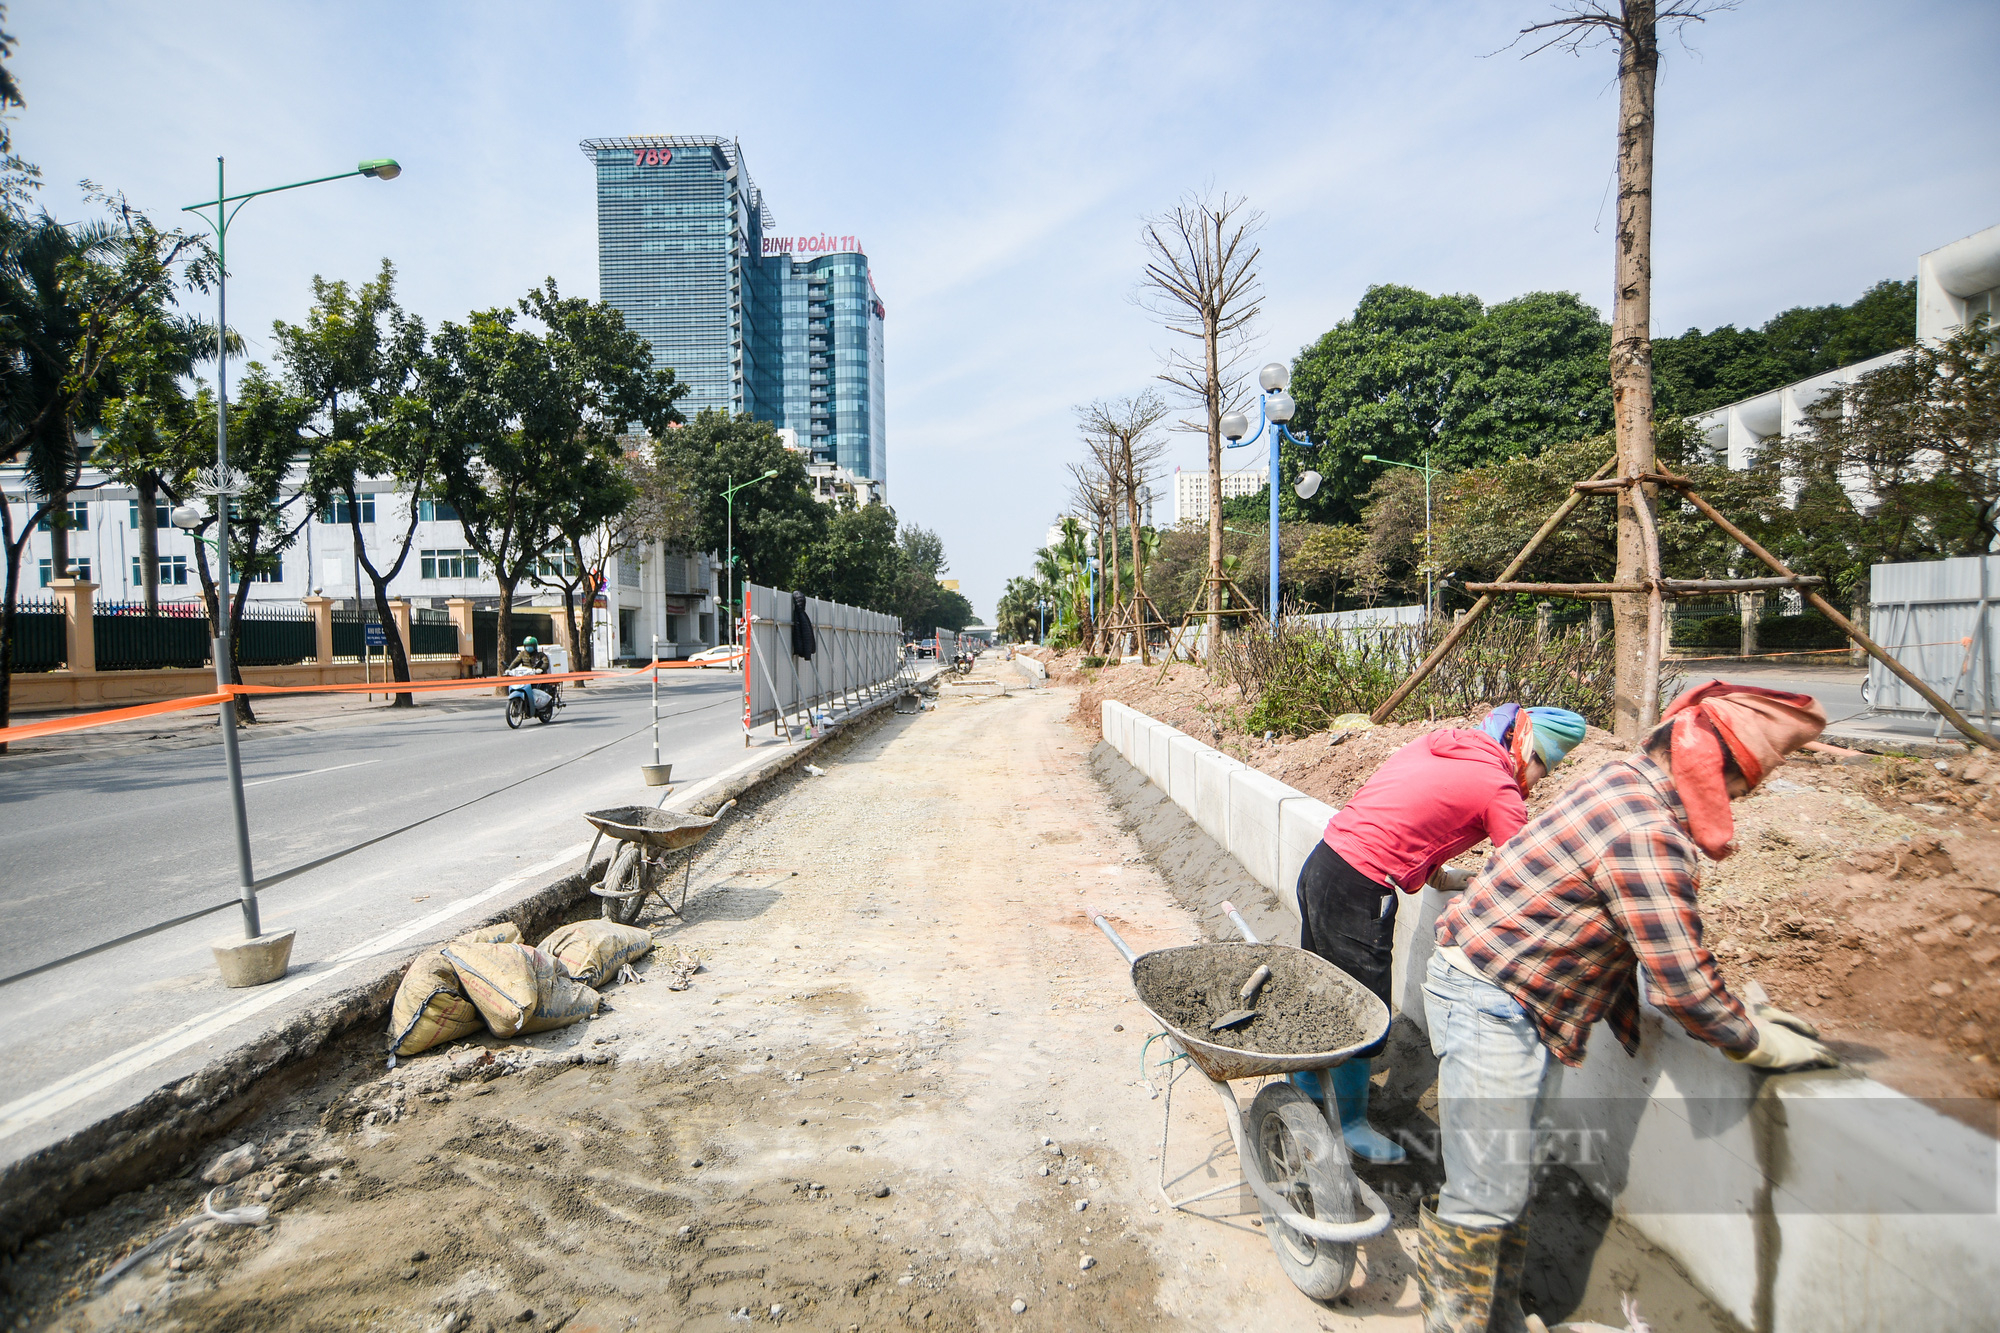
pixel 1241 924
pixel 1113 936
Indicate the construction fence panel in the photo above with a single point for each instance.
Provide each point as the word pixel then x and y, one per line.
pixel 857 655
pixel 1934 617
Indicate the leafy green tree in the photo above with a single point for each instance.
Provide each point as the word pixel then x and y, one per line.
pixel 73 300
pixel 855 561
pixel 953 611
pixel 1699 371
pixel 1412 376
pixel 522 414
pixel 776 519
pixel 599 491
pixel 357 359
pixel 1017 616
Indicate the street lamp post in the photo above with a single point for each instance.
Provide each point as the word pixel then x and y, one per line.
pixel 1275 407
pixel 1429 472
pixel 223 486
pixel 729 572
pixel 1042 605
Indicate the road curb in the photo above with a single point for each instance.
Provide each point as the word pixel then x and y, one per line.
pixel 164 1129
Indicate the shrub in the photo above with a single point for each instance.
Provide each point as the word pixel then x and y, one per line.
pixel 1093 662
pixel 1299 680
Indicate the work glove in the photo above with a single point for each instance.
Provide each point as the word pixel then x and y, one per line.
pixel 1772 1013
pixel 1781 1047
pixel 1450 879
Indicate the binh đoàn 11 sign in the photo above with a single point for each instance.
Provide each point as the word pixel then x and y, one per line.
pixel 822 244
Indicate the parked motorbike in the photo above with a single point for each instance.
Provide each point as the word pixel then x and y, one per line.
pixel 523 700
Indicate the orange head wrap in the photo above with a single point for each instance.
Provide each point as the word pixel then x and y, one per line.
pixel 1755 727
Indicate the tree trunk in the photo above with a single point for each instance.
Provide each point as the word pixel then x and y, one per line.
pixel 1632 353
pixel 1139 616
pixel 1116 588
pixel 14 548
pixel 59 535
pixel 243 711
pixel 503 629
pixel 149 540
pixel 392 635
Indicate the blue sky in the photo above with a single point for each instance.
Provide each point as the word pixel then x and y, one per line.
pixel 997 159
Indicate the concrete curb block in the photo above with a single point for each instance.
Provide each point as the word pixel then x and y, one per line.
pixel 164 1128
pixel 1798 1203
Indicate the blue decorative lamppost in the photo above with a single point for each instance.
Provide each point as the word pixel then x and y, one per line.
pixel 1275 407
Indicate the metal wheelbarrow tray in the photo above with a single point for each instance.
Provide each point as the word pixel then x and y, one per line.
pixel 1310 1207
pixel 648 835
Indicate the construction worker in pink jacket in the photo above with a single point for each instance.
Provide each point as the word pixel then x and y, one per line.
pixel 1433 799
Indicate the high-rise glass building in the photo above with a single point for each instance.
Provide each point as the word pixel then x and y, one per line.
pixel 685 250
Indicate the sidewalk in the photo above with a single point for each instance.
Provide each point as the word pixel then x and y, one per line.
pixel 904 1091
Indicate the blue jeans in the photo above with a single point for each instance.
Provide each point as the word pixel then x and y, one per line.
pixel 1493 1076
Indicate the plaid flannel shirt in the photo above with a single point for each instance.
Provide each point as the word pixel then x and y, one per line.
pixel 1597 886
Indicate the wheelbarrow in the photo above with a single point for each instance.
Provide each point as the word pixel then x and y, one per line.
pixel 1294 1159
pixel 648 840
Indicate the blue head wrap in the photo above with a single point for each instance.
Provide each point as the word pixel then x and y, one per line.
pixel 1555 731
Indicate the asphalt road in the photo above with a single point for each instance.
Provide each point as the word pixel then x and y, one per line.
pixel 354 830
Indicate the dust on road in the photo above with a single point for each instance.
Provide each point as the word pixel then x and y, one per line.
pixel 903 1093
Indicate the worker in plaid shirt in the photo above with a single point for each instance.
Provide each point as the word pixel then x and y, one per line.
pixel 1552 936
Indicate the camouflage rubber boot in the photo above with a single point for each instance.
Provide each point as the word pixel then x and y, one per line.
pixel 1508 1317
pixel 1457 1271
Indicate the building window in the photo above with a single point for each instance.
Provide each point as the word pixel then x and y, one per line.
pixel 336 510
pixel 448 564
pixel 79 518
pixel 162 518
pixel 173 569
pixel 436 511
pixel 559 566
pixel 628 569
pixel 78 569
pixel 276 574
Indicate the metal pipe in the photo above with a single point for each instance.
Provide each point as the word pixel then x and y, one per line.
pixel 1229 910
pixel 1098 920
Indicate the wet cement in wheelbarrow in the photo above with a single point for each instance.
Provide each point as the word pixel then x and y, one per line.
pixel 1300 1011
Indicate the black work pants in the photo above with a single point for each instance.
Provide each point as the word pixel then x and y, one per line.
pixel 1349 920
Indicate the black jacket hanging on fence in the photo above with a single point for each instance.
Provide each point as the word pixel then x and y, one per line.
pixel 803 643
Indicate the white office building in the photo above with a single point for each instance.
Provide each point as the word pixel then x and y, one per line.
pixel 1191 490
pixel 1956 284
pixel 647 591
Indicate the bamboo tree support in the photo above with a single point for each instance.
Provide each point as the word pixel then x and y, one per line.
pixel 1479 608
pixel 1208 609
pixel 1825 608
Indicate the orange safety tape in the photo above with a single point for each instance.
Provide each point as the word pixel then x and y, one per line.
pixel 85 721
pixel 82 721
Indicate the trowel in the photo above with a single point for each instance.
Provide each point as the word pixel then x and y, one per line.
pixel 1248 995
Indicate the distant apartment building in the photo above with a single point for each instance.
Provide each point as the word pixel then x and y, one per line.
pixel 788 329
pixel 1191 490
pixel 1956 284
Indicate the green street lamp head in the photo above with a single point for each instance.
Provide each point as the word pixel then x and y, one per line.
pixel 1370 458
pixel 382 168
pixel 772 473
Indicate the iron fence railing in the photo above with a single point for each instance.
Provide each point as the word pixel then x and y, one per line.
pixel 39 641
pixel 276 636
pixel 130 638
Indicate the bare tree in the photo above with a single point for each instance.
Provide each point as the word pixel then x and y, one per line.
pixel 1092 505
pixel 1097 494
pixel 1635 26
pixel 1201 283
pixel 1126 427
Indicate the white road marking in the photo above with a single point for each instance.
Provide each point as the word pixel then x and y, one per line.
pixel 39 1105
pixel 363 763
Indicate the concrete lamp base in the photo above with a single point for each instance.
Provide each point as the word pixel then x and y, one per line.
pixel 254 962
pixel 657 775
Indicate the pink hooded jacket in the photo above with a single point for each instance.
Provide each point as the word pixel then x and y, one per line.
pixel 1428 802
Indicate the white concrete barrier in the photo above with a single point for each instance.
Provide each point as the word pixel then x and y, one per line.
pixel 1814 1203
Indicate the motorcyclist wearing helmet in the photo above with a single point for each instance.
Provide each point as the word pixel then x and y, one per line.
pixel 532 657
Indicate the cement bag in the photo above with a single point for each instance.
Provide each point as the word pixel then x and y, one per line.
pixel 593 951
pixel 504 933
pixel 430 1008
pixel 518 989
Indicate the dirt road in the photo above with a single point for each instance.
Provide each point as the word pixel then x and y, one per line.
pixel 903 1092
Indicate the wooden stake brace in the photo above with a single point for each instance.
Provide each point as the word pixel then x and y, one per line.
pixel 1657 590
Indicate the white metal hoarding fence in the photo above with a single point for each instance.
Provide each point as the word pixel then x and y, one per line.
pixel 1933 617
pixel 857 656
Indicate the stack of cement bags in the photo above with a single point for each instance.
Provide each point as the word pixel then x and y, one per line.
pixel 490 978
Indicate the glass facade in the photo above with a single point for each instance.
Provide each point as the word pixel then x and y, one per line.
pixel 798 343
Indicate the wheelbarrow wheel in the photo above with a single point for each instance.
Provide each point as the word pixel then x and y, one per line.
pixel 1306 1162
pixel 624 876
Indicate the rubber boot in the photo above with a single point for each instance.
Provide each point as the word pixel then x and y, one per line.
pixel 1350 1091
pixel 1457 1271
pixel 1508 1316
